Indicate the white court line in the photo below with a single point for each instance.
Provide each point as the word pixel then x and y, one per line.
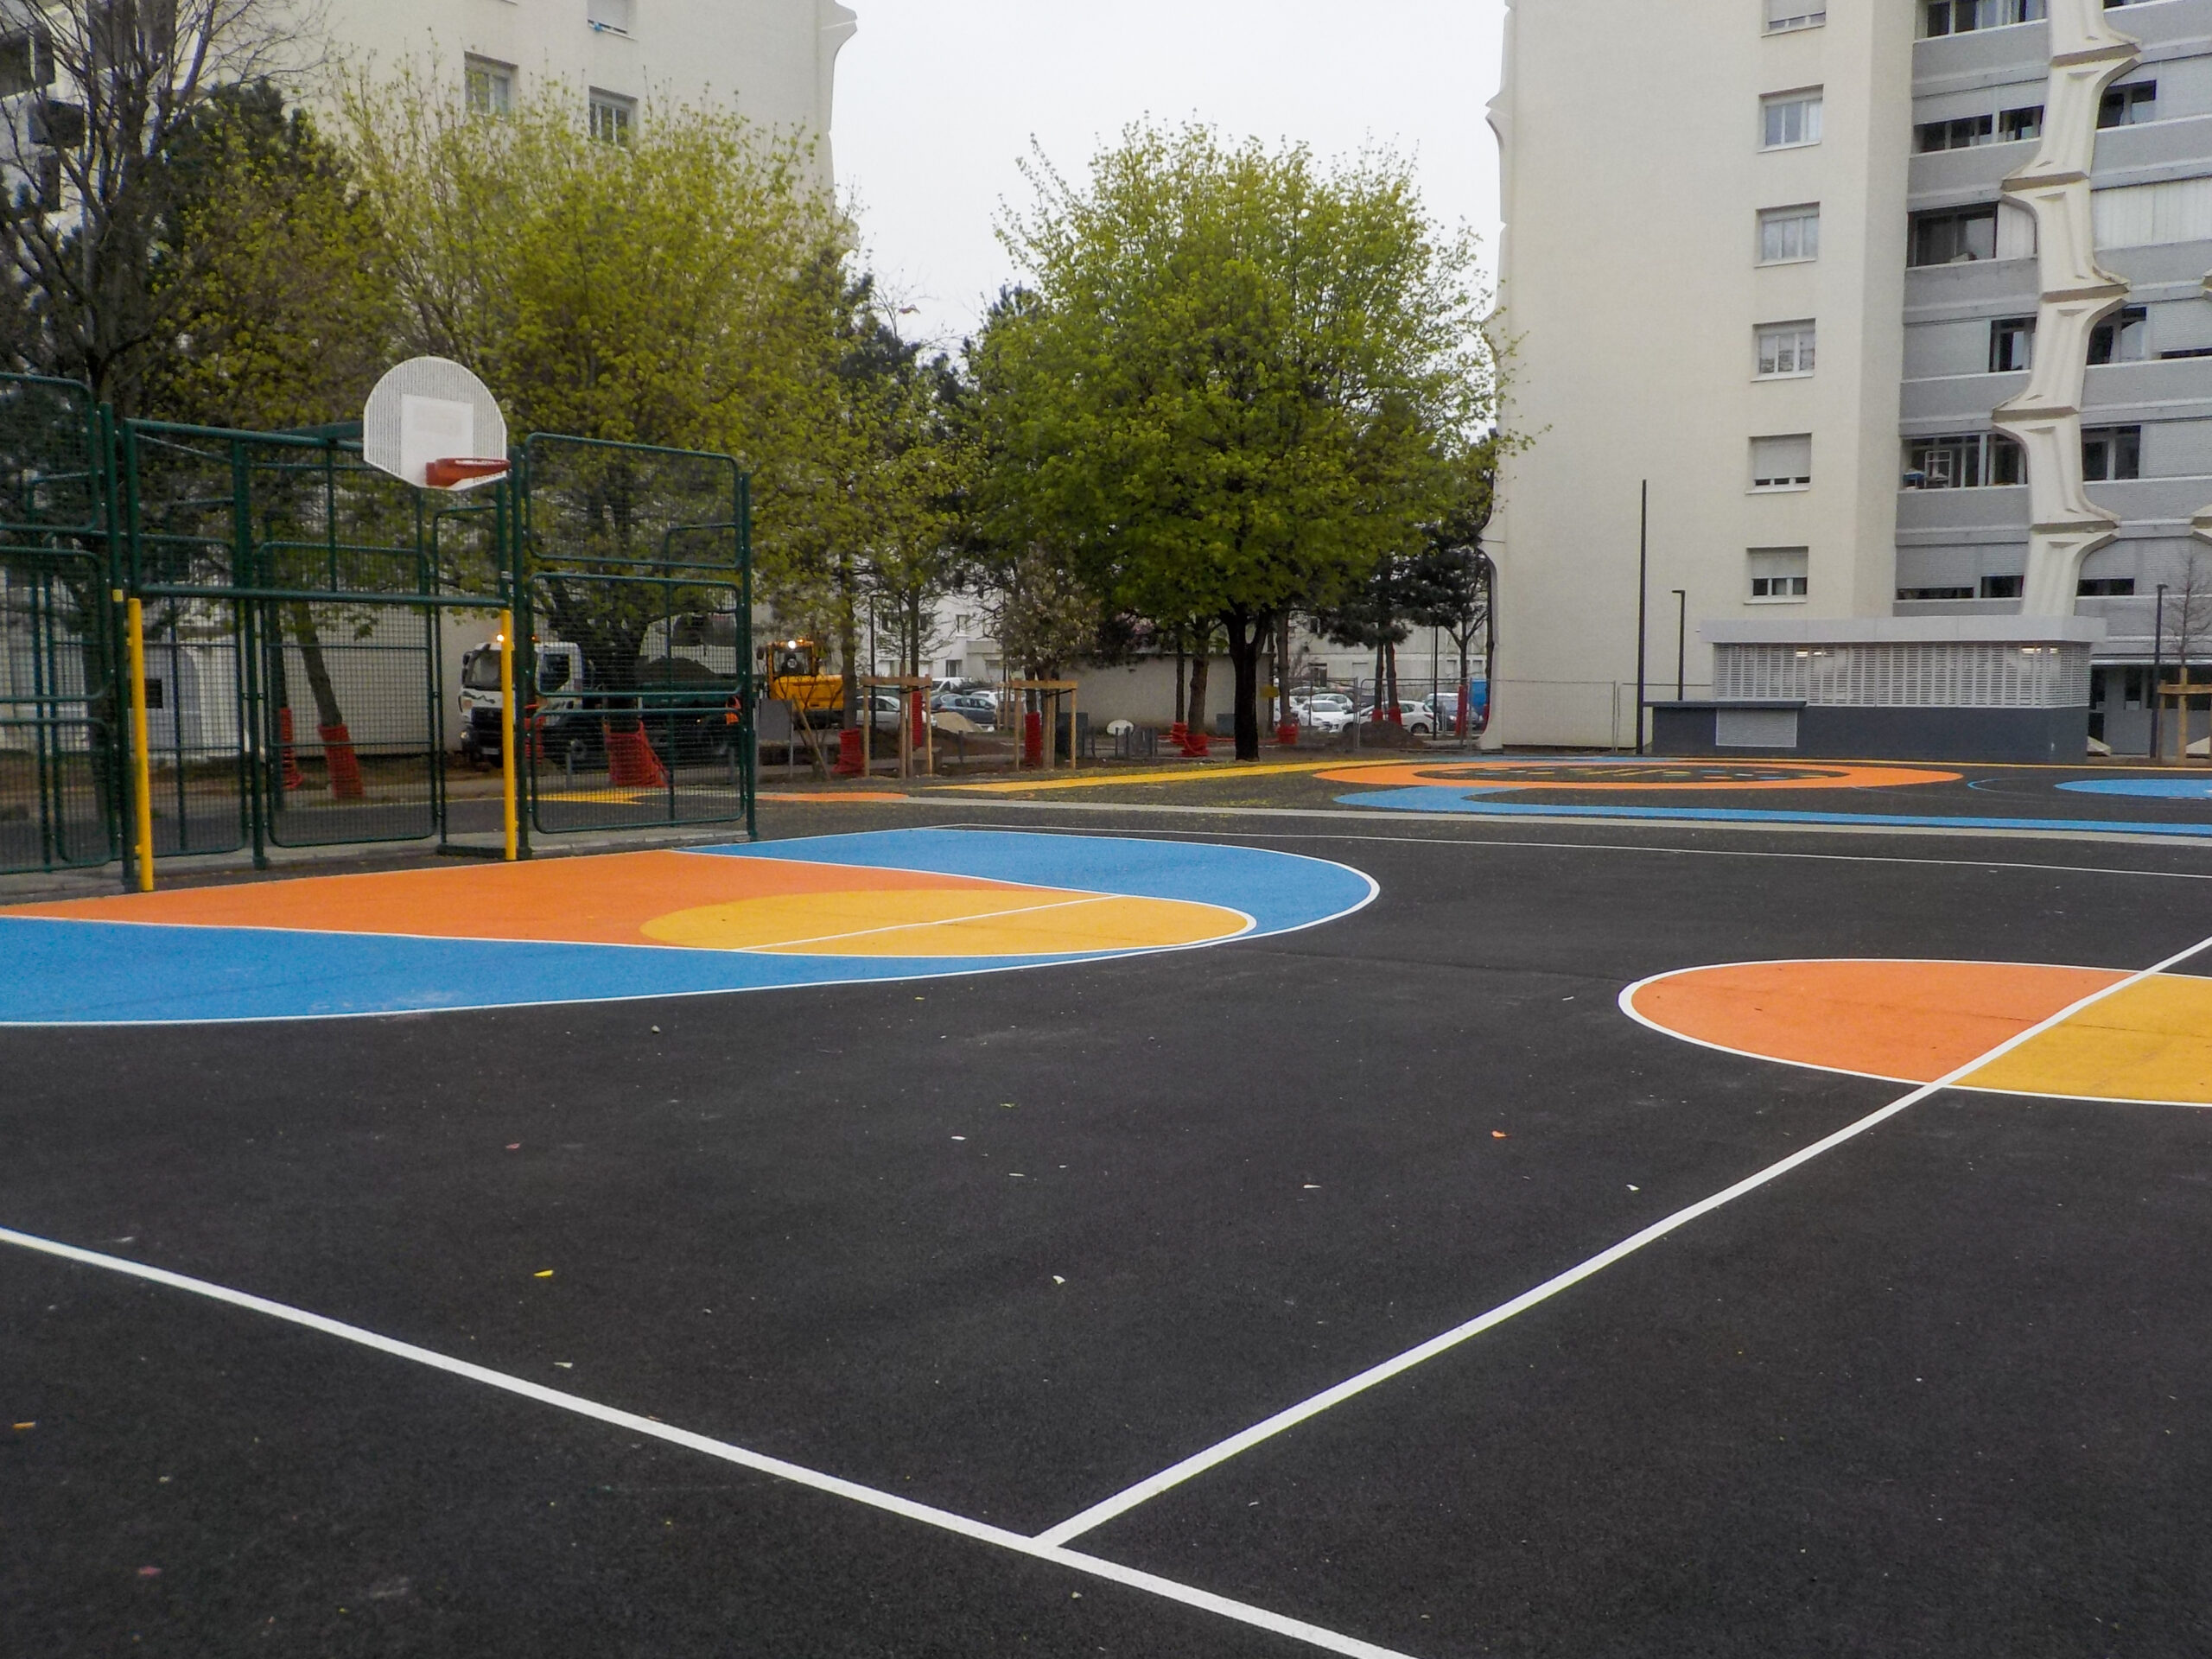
pixel 942 921
pixel 2029 830
pixel 1238 837
pixel 944 1520
pixel 1198 1463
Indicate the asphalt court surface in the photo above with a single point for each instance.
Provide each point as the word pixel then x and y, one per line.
pixel 2153 802
pixel 1009 1243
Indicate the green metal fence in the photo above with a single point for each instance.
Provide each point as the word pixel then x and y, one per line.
pixel 296 603
pixel 60 731
pixel 636 583
pixel 306 621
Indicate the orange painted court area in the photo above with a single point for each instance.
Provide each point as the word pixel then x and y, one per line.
pixel 687 901
pixel 1917 1021
pixel 1645 777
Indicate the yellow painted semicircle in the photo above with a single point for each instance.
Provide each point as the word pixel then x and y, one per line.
pixel 940 922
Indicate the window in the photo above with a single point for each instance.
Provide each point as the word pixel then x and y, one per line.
pixel 613 116
pixel 26 63
pixel 1783 16
pixel 1778 572
pixel 489 87
pixel 2110 453
pixel 609 16
pixel 952 668
pixel 1963 134
pixel 2013 126
pixel 2011 344
pixel 2002 587
pixel 1785 348
pixel 1789 234
pixel 1964 16
pixel 2121 338
pixel 2147 215
pixel 2106 587
pixel 1934 593
pixel 1969 461
pixel 2129 105
pixel 1955 237
pixel 1788 120
pixel 1783 463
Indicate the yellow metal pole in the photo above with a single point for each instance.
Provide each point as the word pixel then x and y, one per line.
pixel 510 813
pixel 142 768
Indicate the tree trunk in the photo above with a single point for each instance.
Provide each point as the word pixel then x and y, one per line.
pixel 848 642
pixel 1375 699
pixel 1391 658
pixel 1282 668
pixel 1195 711
pixel 341 764
pixel 1182 672
pixel 1245 636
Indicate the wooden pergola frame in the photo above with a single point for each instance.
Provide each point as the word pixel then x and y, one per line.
pixel 2178 695
pixel 902 682
pixel 1055 690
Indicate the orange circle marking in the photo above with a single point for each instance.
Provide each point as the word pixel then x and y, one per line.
pixel 1662 777
pixel 1913 1022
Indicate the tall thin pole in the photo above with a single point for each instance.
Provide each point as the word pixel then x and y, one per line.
pixel 1682 643
pixel 2159 672
pixel 1643 604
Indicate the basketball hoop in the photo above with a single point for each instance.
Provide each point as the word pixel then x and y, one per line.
pixel 432 422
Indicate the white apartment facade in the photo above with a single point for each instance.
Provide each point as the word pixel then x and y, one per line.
pixel 774 60
pixel 1900 308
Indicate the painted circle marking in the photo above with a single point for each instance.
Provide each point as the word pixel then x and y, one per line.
pixel 1642 776
pixel 1914 1021
pixel 2159 789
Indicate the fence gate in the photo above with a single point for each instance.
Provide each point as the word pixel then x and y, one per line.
pixel 636 590
pixel 297 604
pixel 61 726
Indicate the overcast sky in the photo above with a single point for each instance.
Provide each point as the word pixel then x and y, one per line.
pixel 937 100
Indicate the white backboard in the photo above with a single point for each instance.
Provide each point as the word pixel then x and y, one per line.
pixel 431 409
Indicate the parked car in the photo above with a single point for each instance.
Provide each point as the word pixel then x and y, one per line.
pixel 974 707
pixel 1319 702
pixel 1416 717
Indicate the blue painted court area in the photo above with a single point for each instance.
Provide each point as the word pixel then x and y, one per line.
pixel 56 970
pixel 1456 801
pixel 2157 789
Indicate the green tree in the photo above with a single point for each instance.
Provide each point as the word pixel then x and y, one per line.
pixel 118 86
pixel 274 280
pixel 1238 380
pixel 684 289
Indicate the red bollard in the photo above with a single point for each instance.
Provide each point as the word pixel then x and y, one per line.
pixel 1286 733
pixel 917 720
pixel 339 762
pixel 852 761
pixel 292 779
pixel 1033 739
pixel 1179 734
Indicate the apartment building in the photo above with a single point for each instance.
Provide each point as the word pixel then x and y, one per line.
pixel 774 60
pixel 1900 308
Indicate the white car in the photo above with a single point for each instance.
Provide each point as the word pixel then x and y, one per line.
pixel 1323 711
pixel 1415 717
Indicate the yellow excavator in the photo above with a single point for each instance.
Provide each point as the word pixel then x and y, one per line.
pixel 791 670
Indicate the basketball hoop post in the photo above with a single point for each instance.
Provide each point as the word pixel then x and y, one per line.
pixel 511 818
